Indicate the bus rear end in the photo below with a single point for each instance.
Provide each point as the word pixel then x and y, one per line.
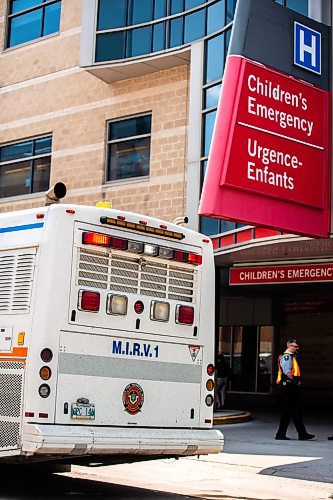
pixel 132 371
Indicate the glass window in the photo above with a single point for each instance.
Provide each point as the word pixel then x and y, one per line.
pixel 139 41
pixel 139 11
pixel 215 57
pixel 140 125
pixel 190 4
pixel 129 148
pixel 19 5
pixel 159 37
pixel 215 17
pixel 40 20
pixel 111 14
pixel 231 5
pixel 176 32
pixel 195 26
pixel 300 6
pixel 209 226
pixel 25 167
pixel 212 95
pixel 176 6
pixel 209 120
pixel 51 19
pixel 160 9
pixel 110 46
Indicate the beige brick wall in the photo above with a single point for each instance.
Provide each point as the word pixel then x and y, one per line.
pixel 43 90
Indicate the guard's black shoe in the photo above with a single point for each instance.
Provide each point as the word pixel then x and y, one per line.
pixel 306 437
pixel 282 438
pixel 330 438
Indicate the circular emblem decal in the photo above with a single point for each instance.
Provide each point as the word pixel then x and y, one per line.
pixel 133 398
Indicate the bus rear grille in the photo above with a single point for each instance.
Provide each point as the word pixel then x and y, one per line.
pixel 121 273
pixel 16 273
pixel 11 387
pixel 9 434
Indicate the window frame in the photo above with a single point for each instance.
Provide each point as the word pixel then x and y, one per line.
pixel 125 139
pixel 31 159
pixel 43 4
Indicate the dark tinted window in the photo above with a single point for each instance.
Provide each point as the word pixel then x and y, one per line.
pixel 215 58
pixel 176 32
pixel 190 4
pixel 51 19
pixel 194 26
pixel 159 37
pixel 177 6
pixel 111 14
pixel 110 46
pixel 129 148
pixel 139 11
pixel 130 127
pixel 31 174
pixel 26 26
pixel 160 8
pixel 139 41
pixel 215 17
pixel 300 6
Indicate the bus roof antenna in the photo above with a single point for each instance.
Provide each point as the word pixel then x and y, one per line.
pixel 55 193
pixel 180 220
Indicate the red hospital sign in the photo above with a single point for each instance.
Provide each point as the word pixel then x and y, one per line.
pixel 269 159
pixel 280 274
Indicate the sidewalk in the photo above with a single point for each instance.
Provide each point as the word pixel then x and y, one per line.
pixel 223 417
pixel 252 466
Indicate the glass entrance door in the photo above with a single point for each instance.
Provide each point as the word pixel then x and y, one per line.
pixel 248 349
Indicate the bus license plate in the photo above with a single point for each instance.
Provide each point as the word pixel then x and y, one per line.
pixel 84 411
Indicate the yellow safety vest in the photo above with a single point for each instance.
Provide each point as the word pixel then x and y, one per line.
pixel 295 369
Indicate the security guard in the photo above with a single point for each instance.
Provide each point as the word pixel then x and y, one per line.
pixel 289 380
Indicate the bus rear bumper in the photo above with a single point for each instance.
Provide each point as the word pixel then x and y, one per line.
pixel 82 440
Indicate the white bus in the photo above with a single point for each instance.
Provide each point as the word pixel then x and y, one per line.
pixel 106 337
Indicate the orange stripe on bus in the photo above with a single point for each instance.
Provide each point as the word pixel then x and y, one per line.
pixel 18 352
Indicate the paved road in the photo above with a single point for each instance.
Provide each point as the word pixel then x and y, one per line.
pixel 253 466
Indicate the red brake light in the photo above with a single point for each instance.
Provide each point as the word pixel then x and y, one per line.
pixel 195 258
pixel 89 301
pixel 138 307
pixel 102 240
pixel 185 315
pixel 180 256
pixel 119 243
pixel 210 369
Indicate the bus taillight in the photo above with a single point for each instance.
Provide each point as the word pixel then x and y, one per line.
pixel 184 315
pixel 89 301
pixel 45 373
pixel 119 243
pixel 46 355
pixel 210 369
pixel 102 240
pixel 44 391
pixel 180 256
pixel 138 307
pixel 195 258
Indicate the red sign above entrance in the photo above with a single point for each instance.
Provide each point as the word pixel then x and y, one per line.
pixel 305 273
pixel 269 159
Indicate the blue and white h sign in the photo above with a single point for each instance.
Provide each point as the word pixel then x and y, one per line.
pixel 307 48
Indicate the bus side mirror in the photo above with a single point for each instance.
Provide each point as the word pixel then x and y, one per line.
pixel 55 193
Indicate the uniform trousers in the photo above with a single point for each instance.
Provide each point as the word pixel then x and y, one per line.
pixel 291 409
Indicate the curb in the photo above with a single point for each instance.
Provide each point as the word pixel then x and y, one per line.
pixel 232 419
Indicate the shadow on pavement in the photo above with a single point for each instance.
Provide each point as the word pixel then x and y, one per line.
pixel 53 486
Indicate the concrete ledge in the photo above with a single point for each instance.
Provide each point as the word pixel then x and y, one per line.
pixel 231 417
